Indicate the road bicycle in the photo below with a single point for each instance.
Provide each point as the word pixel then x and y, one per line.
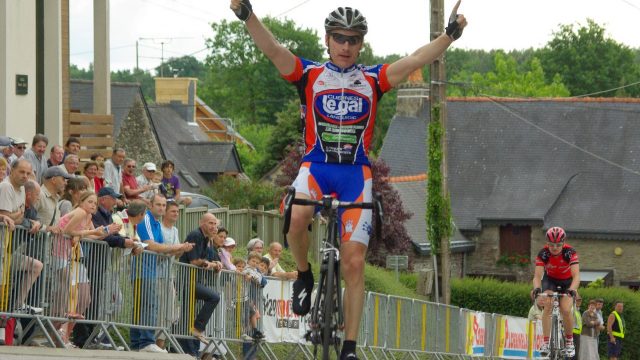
pixel 557 349
pixel 326 318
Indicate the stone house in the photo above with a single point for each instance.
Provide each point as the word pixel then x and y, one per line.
pixel 519 166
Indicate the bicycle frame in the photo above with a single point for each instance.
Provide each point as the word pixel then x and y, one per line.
pixel 556 336
pixel 326 316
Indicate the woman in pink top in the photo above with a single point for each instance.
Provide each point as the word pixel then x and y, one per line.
pixel 77 225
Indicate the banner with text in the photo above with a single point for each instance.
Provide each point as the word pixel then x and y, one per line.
pixel 475 334
pixel 514 338
pixel 279 322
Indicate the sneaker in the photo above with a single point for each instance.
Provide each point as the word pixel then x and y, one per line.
pixel 246 337
pixel 569 349
pixel 544 349
pixel 258 335
pixel 301 298
pixel 350 356
pixel 28 309
pixel 152 348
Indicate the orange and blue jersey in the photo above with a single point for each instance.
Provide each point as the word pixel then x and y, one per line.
pixel 338 109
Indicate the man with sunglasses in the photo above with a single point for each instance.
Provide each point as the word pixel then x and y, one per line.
pixel 338 108
pixel 557 267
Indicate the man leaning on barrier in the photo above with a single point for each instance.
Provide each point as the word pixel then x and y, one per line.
pixel 12 205
pixel 200 237
pixel 145 272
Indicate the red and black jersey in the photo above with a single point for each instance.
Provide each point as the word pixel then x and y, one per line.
pixel 557 266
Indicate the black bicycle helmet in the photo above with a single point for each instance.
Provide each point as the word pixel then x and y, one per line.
pixel 346 18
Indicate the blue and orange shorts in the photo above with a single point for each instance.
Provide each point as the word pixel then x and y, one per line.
pixel 346 182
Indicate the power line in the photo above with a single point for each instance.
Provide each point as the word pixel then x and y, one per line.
pixel 293 8
pixel 631 4
pixel 608 90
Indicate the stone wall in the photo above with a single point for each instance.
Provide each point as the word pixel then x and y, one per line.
pixel 594 255
pixel 137 138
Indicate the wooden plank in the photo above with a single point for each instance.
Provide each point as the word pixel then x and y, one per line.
pixel 96 141
pixel 91 129
pixel 90 118
pixel 86 153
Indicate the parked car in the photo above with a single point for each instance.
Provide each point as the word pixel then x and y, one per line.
pixel 199 200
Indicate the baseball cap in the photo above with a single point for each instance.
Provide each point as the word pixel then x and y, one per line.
pixel 229 242
pixel 56 171
pixel 18 141
pixel 107 191
pixel 5 141
pixel 149 166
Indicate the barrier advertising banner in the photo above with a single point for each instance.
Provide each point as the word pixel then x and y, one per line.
pixel 514 338
pixel 475 341
pixel 279 322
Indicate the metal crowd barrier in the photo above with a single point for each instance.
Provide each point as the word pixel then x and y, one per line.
pixel 108 290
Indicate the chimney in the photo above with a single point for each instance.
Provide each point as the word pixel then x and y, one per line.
pixel 412 96
pixel 180 93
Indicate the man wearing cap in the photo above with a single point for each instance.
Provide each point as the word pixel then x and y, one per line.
pixel 35 155
pixel 7 150
pixel 146 178
pixel 19 146
pixel 54 182
pixel 130 187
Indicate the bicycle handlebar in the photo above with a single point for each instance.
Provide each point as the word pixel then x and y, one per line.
pixel 329 203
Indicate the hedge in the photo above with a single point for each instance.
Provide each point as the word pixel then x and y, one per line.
pixel 493 296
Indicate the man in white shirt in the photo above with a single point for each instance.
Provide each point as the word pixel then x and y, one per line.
pixel 113 170
pixel 12 204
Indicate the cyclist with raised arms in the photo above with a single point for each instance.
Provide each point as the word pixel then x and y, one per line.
pixel 557 266
pixel 338 104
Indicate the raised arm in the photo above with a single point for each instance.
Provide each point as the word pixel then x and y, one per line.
pixel 279 55
pixel 399 70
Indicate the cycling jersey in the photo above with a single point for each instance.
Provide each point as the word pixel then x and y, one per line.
pixel 557 266
pixel 338 109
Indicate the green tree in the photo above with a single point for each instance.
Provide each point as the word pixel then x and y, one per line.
pixel 242 83
pixel 184 66
pixel 589 62
pixel 242 194
pixel 509 81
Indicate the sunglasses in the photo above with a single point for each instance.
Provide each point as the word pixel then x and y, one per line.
pixel 555 245
pixel 351 39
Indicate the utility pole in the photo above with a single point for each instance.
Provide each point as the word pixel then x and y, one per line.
pixel 162 41
pixel 438 94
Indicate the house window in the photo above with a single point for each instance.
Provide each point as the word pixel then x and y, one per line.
pixel 209 177
pixel 515 240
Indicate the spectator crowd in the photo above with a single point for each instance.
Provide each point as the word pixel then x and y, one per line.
pixel 105 200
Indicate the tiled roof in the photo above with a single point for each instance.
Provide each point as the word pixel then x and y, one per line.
pixel 558 161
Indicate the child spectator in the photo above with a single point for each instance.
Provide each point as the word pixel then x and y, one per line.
pixel 264 266
pixel 255 277
pixel 239 264
pixel 171 184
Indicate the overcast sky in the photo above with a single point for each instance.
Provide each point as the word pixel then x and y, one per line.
pixel 398 26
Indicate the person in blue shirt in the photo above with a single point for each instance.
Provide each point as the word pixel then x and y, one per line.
pixel 144 276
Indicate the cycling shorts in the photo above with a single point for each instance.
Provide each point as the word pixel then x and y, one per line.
pixel 347 183
pixel 549 283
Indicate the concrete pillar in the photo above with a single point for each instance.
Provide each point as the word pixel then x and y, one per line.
pixel 17 56
pixel 53 71
pixel 101 58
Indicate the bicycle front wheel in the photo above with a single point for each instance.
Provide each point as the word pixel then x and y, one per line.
pixel 328 328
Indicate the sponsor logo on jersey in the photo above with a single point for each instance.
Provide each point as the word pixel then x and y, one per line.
pixel 342 107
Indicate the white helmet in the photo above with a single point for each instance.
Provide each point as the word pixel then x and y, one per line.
pixel 346 18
